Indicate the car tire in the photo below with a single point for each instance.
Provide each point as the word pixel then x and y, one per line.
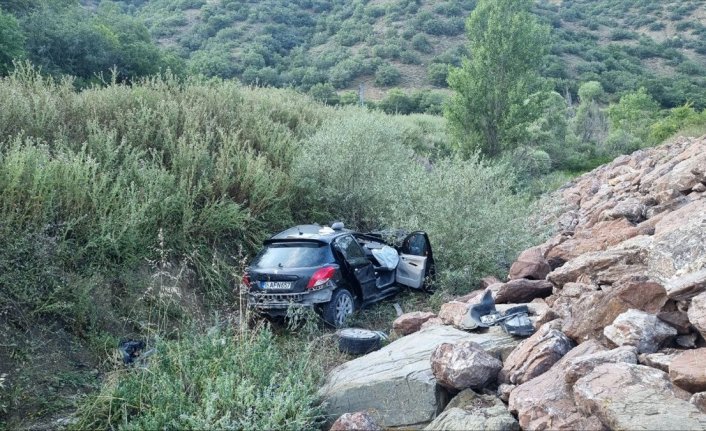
pixel 354 341
pixel 341 305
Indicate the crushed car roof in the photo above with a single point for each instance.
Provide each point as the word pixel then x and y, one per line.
pixel 309 232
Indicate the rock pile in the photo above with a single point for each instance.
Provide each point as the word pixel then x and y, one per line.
pixel 618 299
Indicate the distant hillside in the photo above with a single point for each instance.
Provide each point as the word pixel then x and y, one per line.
pixel 624 44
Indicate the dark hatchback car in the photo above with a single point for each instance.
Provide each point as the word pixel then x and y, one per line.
pixel 335 270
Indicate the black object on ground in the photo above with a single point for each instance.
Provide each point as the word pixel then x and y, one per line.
pixel 357 341
pixel 130 350
pixel 514 321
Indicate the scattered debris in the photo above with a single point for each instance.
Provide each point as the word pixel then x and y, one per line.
pixel 514 321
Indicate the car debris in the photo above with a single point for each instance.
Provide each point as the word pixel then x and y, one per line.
pixel 514 321
pixel 357 341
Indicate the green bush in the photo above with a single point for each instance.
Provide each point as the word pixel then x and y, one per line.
pixel 387 75
pixel 216 380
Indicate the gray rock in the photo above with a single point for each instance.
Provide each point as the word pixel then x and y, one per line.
pixel 699 400
pixel 464 364
pixel 471 411
pixel 697 313
pixel 634 397
pixel 686 286
pixel 637 328
pixel 659 360
pixel 395 384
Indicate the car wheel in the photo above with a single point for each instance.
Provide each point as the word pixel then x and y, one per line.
pixel 339 308
pixel 356 341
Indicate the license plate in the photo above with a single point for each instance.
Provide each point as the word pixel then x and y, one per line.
pixel 276 285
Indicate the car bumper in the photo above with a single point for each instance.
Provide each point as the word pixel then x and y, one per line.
pixel 278 303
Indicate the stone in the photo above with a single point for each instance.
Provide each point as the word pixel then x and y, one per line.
pixel 471 411
pixel 679 245
pixel 697 313
pixel 642 330
pixel 455 313
pixel 631 209
pixel 679 320
pixel 686 286
pixel 581 366
pixel 486 282
pixel 464 365
pixel 523 290
pixel 687 341
pixel 596 238
pixel 659 360
pixel 434 321
pixel 634 397
pixel 359 421
pixel 411 322
pixel 531 264
pixel 395 384
pixel 587 309
pixel 535 355
pixel 470 298
pixel 688 370
pixel 546 402
pixel 699 400
pixel 595 264
pixel 504 391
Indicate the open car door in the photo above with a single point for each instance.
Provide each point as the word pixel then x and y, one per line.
pixel 416 260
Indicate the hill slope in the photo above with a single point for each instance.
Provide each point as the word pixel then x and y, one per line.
pixel 410 43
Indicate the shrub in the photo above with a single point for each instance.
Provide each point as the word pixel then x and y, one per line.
pixel 216 380
pixel 421 43
pixel 437 73
pixel 387 75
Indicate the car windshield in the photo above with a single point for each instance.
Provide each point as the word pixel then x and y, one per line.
pixel 292 255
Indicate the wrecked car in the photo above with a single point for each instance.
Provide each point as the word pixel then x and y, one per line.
pixel 335 270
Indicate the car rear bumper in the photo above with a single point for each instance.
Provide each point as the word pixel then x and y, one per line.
pixel 278 303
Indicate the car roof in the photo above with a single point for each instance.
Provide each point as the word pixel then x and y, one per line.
pixel 310 232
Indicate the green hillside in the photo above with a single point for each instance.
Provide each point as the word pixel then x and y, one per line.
pixel 623 44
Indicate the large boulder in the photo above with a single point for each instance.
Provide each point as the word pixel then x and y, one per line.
pixel 546 402
pixel 471 411
pixel 531 264
pixel 642 330
pixel 688 370
pixel 411 322
pixel 395 384
pixel 463 365
pixel 587 309
pixel 686 286
pixel 697 313
pixel 359 421
pixel 659 360
pixel 455 313
pixel 535 355
pixel 596 238
pixel 522 290
pixel 634 397
pixel 581 366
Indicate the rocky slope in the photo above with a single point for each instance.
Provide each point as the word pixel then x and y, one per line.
pixel 618 298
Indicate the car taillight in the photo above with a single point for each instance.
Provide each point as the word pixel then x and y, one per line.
pixel 246 280
pixel 321 277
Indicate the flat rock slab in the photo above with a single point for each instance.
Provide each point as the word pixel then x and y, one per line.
pixel 634 397
pixel 395 384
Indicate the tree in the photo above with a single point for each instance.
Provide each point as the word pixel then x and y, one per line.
pixel 491 105
pixel 590 123
pixel 12 42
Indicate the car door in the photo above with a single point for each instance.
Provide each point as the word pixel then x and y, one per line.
pixel 416 260
pixel 358 264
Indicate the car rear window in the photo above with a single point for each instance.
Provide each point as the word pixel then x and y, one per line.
pixel 293 255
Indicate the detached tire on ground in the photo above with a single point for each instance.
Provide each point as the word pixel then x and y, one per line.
pixel 339 307
pixel 356 341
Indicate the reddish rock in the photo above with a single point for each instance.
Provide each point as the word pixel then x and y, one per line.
pixel 487 282
pixel 523 290
pixel 697 313
pixel 531 264
pixel 581 366
pixel 587 310
pixel 642 330
pixel 688 370
pixel 470 298
pixel 434 321
pixel 411 322
pixel 454 313
pixel 626 396
pixel 360 421
pixel 546 402
pixel 535 355
pixel 464 365
pixel 599 237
